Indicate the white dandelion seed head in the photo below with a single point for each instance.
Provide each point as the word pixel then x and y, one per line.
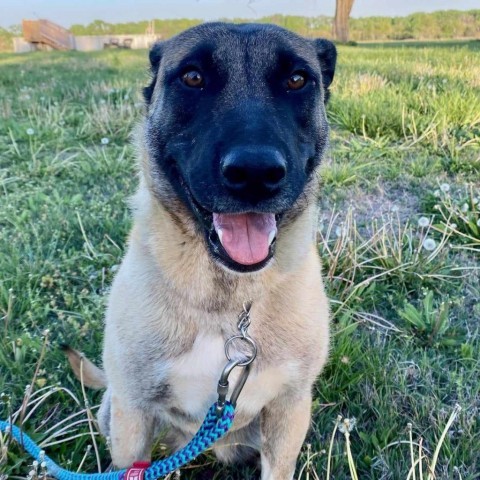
pixel 445 187
pixel 347 425
pixel 464 208
pixel 105 141
pixel 423 222
pixel 429 244
pixel 437 193
pixel 30 131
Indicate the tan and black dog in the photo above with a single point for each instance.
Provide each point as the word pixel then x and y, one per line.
pixel 225 213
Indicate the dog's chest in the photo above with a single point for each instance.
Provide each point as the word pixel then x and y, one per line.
pixel 193 379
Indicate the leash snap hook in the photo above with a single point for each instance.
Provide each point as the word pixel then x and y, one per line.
pixel 224 385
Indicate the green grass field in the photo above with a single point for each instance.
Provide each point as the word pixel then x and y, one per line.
pixel 399 234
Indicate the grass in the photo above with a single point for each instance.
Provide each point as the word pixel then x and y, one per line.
pixel 400 250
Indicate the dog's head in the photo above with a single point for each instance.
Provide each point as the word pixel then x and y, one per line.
pixel 236 125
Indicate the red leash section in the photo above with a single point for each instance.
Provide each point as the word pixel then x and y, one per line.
pixel 137 471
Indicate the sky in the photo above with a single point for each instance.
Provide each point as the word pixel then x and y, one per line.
pixel 68 12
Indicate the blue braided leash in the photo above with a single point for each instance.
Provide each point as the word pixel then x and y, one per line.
pixel 213 428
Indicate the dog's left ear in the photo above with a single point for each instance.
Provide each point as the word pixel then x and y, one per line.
pixel 155 57
pixel 327 56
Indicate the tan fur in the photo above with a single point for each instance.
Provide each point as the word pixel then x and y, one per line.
pixel 170 310
pixel 84 369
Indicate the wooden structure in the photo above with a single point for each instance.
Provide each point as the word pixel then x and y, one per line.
pixel 44 34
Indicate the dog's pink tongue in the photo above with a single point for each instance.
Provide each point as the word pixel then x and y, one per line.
pixel 246 237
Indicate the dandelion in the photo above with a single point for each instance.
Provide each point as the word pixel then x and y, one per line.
pixel 348 425
pixel 30 131
pixel 464 208
pixel 445 187
pixel 105 141
pixel 423 222
pixel 429 244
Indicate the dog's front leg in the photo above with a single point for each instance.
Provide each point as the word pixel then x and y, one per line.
pixel 131 434
pixel 284 424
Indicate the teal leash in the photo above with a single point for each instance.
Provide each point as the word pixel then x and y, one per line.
pixel 213 428
pixel 217 423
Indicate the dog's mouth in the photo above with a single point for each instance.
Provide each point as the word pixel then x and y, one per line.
pixel 243 242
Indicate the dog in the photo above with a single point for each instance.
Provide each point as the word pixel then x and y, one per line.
pixel 225 213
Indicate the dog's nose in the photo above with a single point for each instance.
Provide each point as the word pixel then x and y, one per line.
pixel 260 170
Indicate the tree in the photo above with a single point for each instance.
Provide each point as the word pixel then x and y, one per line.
pixel 340 23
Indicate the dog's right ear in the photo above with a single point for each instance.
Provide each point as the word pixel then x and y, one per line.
pixel 155 56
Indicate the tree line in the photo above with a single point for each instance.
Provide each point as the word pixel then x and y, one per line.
pixel 418 26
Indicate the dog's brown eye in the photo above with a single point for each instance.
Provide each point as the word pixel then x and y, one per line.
pixel 296 81
pixel 193 78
